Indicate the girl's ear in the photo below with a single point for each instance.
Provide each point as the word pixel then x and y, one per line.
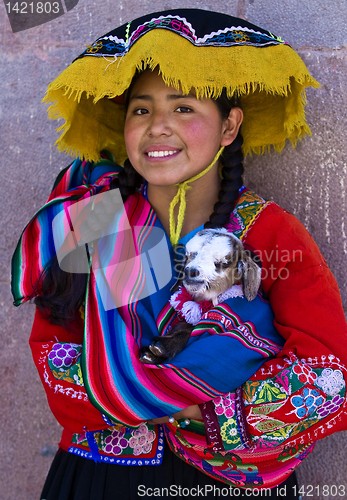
pixel 232 126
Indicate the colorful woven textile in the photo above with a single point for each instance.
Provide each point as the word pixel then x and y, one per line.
pixel 237 333
pixel 125 389
pixel 35 249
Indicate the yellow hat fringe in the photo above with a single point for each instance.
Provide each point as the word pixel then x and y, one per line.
pixel 272 92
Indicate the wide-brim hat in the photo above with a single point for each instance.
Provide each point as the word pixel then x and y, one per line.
pixel 192 48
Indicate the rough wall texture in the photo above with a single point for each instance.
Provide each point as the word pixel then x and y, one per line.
pixel 310 181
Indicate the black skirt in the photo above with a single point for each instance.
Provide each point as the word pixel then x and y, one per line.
pixel 76 478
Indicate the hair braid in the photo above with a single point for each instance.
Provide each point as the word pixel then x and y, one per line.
pixel 128 180
pixel 232 171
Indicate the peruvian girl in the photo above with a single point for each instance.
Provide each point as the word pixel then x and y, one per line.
pixel 172 103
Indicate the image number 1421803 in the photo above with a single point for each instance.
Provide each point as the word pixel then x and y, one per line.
pixel 25 15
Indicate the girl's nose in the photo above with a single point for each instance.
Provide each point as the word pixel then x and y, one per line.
pixel 159 125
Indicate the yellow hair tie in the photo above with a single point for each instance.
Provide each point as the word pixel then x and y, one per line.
pixel 181 197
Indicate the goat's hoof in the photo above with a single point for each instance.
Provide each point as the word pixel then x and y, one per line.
pixel 148 358
pixel 157 349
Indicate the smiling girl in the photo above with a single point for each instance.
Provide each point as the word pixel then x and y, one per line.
pixel 166 96
pixel 172 137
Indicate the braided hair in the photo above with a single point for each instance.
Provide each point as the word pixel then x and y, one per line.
pixel 232 171
pixel 128 180
pixel 63 293
pixel 232 161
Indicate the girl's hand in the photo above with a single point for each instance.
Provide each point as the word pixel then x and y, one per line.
pixel 192 412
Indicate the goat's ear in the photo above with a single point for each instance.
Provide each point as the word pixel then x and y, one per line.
pixel 250 272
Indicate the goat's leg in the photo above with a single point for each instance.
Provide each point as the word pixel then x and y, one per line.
pixel 148 358
pixel 168 346
pixel 173 343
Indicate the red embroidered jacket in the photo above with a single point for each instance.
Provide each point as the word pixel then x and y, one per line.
pixel 308 314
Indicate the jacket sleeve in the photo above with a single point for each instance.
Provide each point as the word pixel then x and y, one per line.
pixel 299 396
pixel 56 353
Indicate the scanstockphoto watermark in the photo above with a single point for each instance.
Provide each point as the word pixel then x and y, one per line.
pixel 208 490
pixel 29 14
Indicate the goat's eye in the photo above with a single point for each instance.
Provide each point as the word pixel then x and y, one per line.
pixel 221 265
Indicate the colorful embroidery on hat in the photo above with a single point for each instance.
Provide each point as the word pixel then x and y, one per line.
pixel 112 45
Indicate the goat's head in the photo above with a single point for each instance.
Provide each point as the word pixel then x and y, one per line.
pixel 215 261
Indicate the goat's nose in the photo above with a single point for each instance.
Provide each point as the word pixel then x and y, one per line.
pixel 191 272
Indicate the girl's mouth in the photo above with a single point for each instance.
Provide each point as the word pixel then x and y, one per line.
pixel 162 154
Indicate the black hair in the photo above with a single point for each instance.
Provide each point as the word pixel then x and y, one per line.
pixel 63 293
pixel 232 161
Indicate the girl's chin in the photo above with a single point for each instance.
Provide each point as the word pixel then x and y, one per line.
pixel 164 185
pixel 164 180
pixel 167 183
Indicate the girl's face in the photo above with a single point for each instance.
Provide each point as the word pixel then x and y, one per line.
pixel 171 137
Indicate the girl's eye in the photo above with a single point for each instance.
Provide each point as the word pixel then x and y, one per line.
pixel 140 111
pixel 184 109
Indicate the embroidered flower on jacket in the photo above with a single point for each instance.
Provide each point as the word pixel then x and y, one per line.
pixel 225 405
pixel 229 432
pixel 141 440
pixel 330 381
pixel 115 443
pixel 304 373
pixel 307 402
pixel 78 378
pixel 64 355
pixel 330 406
pixel 235 223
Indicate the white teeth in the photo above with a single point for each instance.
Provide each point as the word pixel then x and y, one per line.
pixel 156 154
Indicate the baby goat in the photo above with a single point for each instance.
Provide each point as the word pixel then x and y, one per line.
pixel 216 262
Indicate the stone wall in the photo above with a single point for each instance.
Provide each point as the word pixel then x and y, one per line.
pixel 310 181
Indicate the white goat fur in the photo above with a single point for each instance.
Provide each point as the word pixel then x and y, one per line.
pixel 221 261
